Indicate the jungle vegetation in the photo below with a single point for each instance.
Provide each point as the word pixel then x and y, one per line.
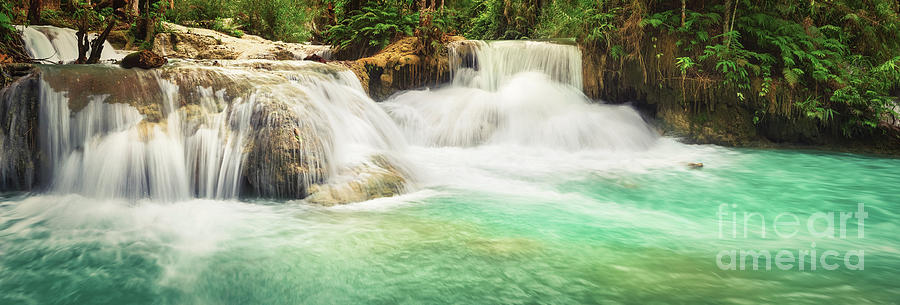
pixel 833 61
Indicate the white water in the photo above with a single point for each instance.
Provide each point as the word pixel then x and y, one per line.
pixel 210 136
pixel 488 65
pixel 523 93
pixel 109 149
pixel 58 45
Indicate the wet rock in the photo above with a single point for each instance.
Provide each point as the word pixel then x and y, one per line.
pixel 282 54
pixel 118 39
pixel 403 65
pixel 290 150
pixel 17 69
pixel 217 52
pixel 144 60
pixel 18 128
pixel 378 178
pixel 695 165
pixel 316 58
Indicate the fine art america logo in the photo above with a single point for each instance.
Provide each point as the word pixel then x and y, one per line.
pixel 787 227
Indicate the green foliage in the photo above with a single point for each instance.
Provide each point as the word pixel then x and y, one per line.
pixel 587 21
pixel 374 26
pixel 191 12
pixel 499 19
pixel 694 34
pixel 226 26
pixel 89 19
pixel 6 28
pixel 684 63
pixel 484 19
pixel 284 20
pixel 838 59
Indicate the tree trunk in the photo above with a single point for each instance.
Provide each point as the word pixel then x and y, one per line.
pixel 683 7
pixel 97 44
pixel 727 17
pixel 83 46
pixel 731 27
pixel 34 12
pixel 146 24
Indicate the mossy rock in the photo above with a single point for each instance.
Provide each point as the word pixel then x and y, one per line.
pixel 144 60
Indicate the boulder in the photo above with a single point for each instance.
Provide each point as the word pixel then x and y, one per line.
pixel 316 58
pixel 290 147
pixel 144 60
pixel 403 65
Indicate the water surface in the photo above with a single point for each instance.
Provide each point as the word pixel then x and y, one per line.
pixel 489 224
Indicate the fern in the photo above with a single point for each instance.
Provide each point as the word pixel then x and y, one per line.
pixel 374 26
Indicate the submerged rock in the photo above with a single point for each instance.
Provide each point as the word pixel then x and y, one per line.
pixel 380 177
pixel 144 60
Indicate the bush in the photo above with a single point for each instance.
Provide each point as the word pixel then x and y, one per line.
pixel 191 12
pixel 226 26
pixel 6 28
pixel 372 27
pixel 283 20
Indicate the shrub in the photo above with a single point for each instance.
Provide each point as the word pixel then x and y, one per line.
pixel 372 27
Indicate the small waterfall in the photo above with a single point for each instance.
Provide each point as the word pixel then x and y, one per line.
pixel 516 92
pixel 57 45
pixel 187 130
pixel 487 65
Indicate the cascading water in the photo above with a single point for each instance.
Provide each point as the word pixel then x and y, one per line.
pixel 488 65
pixel 516 92
pixel 189 130
pixel 57 45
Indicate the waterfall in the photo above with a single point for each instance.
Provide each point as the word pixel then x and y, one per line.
pixel 57 45
pixel 284 128
pixel 487 65
pixel 187 130
pixel 516 92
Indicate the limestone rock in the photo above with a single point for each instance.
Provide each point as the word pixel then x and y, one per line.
pixel 19 157
pixel 402 65
pixel 380 177
pixel 198 43
pixel 289 151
